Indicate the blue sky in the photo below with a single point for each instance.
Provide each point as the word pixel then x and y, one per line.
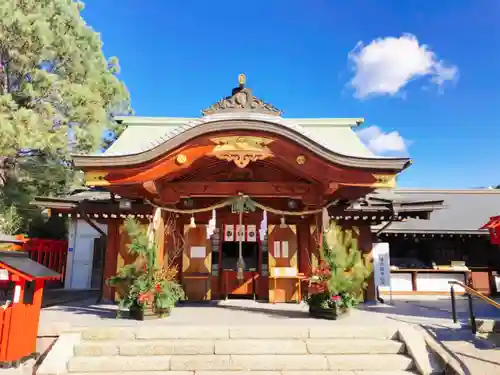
pixel 177 57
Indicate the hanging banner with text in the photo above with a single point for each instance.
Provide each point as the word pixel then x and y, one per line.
pixel 381 264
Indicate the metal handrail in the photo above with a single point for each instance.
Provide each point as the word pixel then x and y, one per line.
pixel 470 292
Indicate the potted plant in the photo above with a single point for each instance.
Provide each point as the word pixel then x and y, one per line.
pixel 147 290
pixel 338 283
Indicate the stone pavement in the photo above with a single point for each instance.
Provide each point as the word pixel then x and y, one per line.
pixel 432 314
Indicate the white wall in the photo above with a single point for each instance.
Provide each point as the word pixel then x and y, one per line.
pixel 80 253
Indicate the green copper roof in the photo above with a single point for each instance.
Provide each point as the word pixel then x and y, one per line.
pixel 145 133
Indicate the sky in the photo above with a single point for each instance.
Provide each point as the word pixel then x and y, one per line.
pixel 425 75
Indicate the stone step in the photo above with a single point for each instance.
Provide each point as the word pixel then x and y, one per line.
pixel 237 346
pixel 254 332
pixel 256 373
pixel 292 362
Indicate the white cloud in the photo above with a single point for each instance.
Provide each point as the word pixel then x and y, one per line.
pixel 383 143
pixel 386 65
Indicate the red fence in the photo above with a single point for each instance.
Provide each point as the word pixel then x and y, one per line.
pixel 50 253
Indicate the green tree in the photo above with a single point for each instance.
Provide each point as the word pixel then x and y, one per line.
pixel 58 95
pixel 342 276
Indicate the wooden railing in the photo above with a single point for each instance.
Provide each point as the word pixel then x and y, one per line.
pixel 50 253
pixel 470 293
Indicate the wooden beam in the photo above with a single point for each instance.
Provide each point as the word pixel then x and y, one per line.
pixel 173 192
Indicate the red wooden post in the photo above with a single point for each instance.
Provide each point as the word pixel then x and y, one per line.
pixel 19 320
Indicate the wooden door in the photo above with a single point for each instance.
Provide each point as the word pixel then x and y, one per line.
pixel 282 247
pixel 197 263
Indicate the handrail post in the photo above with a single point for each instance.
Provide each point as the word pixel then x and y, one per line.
pixel 472 316
pixel 453 304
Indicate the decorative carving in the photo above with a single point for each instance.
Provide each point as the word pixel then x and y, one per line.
pixel 384 181
pixel 181 159
pixel 242 99
pixel 301 159
pixel 241 149
pixel 96 178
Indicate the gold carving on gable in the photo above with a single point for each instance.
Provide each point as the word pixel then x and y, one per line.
pixel 384 181
pixel 96 178
pixel 242 99
pixel 241 149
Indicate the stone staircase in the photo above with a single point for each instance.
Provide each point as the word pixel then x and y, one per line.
pixel 201 350
pixel 489 329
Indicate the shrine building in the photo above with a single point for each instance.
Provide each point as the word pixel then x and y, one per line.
pixel 240 174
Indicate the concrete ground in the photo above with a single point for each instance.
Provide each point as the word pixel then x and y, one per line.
pixel 433 314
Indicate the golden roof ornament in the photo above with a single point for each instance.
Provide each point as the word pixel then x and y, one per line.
pixel 242 100
pixel 242 79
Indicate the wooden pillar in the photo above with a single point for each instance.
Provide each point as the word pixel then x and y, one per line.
pixel 365 243
pixel 160 241
pixel 111 254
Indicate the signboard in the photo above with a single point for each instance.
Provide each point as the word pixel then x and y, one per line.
pixel 381 264
pixel 4 275
pixel 198 252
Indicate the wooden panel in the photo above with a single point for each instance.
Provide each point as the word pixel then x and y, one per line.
pixel 123 256
pixel 233 286
pixel 481 281
pixel 262 285
pixel 196 271
pixel 282 290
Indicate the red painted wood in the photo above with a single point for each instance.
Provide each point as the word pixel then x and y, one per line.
pixel 19 323
pixel 50 253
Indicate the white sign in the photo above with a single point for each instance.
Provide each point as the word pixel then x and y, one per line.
pixel 381 264
pixel 251 233
pixel 17 293
pixel 4 275
pixel 284 249
pixel 277 249
pixel 228 233
pixel 198 252
pixel 240 233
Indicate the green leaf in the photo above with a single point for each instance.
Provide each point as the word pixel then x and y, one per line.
pixel 58 94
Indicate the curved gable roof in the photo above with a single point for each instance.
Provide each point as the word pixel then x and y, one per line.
pixel 338 144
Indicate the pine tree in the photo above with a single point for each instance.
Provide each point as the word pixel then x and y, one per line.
pixel 344 271
pixel 57 97
pixel 143 283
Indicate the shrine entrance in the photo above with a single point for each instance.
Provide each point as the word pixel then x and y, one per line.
pixel 246 287
pixel 240 255
pixel 301 172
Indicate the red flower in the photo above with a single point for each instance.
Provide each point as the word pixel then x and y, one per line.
pixel 317 288
pixel 335 298
pixel 145 297
pixel 158 287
